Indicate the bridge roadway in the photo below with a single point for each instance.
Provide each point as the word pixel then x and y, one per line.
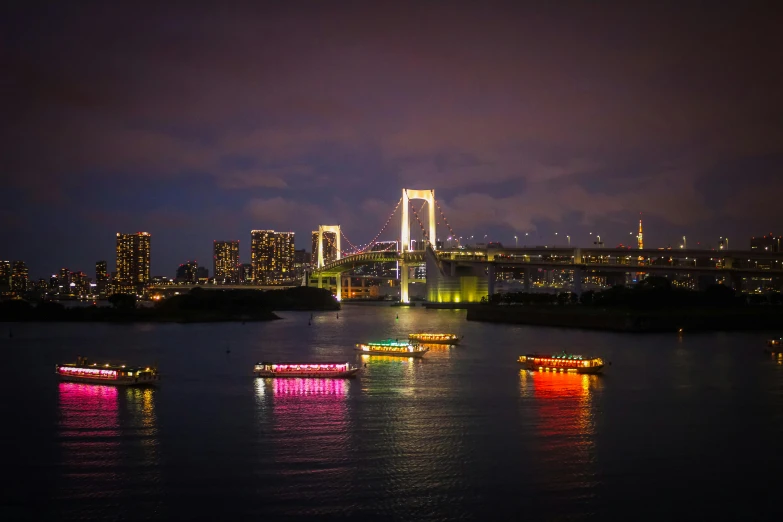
pixel 734 265
pixel 189 287
pixel 646 260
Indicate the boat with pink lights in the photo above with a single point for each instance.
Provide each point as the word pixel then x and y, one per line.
pixel 330 370
pixel 108 374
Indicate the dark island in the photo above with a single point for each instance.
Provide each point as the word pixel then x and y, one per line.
pixel 650 306
pixel 196 306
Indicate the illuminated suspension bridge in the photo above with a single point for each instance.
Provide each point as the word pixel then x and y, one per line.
pixel 461 274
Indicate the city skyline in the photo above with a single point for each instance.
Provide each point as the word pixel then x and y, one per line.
pixel 540 120
pixel 632 241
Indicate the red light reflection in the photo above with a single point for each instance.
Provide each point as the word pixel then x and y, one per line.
pixel 565 423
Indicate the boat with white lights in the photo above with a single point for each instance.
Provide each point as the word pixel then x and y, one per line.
pixel 331 370
pixel 775 343
pixel 392 347
pixel 109 374
pixel 434 338
pixel 562 362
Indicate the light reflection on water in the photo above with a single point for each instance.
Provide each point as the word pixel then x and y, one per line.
pixel 305 422
pixel 564 452
pixel 108 439
pixel 459 434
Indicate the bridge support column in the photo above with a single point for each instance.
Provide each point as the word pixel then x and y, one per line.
pixel 404 283
pixel 576 286
pixel 320 281
pixel 338 294
pixel 527 280
pixel 490 280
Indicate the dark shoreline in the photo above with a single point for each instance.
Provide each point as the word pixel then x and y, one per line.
pixel 701 319
pixel 197 306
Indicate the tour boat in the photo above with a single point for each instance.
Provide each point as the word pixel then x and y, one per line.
pixel 774 343
pixel 298 369
pixel 434 338
pixel 393 347
pixel 111 374
pixel 562 362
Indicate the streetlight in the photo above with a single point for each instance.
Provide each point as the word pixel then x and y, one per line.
pixel 516 242
pixel 569 241
pixel 684 242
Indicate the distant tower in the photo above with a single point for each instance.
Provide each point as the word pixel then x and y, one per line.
pixel 639 239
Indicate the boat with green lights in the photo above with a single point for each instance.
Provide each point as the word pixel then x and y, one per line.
pixel 392 347
pixel 110 374
pixel 434 338
pixel 562 362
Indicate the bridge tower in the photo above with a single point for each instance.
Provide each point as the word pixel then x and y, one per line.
pixel 405 231
pixel 321 230
pixel 320 259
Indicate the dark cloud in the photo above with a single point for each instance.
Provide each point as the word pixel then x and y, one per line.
pixel 564 116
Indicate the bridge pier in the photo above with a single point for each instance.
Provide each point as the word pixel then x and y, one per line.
pixel 527 280
pixel 404 273
pixel 490 280
pixel 338 294
pixel 576 285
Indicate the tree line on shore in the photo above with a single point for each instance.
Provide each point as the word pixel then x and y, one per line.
pixel 196 305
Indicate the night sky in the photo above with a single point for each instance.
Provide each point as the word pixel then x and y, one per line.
pixel 197 124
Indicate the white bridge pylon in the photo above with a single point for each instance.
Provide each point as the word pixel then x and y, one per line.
pixel 405 231
pixel 321 230
pixel 405 228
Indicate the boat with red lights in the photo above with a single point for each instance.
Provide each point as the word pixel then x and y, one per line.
pixel 562 362
pixel 110 374
pixel 393 347
pixel 331 370
pixel 775 343
pixel 434 338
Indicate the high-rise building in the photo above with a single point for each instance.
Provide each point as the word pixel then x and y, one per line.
pixel 272 256
pixel 225 262
pixel 768 243
pixel 187 273
pixel 64 281
pixel 133 263
pixel 5 277
pixel 329 240
pixel 80 284
pixel 302 262
pixel 19 277
pixel 246 273
pixel 202 275
pixel 101 277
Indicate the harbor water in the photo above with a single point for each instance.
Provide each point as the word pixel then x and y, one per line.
pixel 679 427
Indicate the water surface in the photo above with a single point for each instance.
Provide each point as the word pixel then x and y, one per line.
pixel 678 428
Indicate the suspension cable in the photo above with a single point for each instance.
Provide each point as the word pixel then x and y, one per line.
pixel 363 248
pixel 423 230
pixel 451 230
